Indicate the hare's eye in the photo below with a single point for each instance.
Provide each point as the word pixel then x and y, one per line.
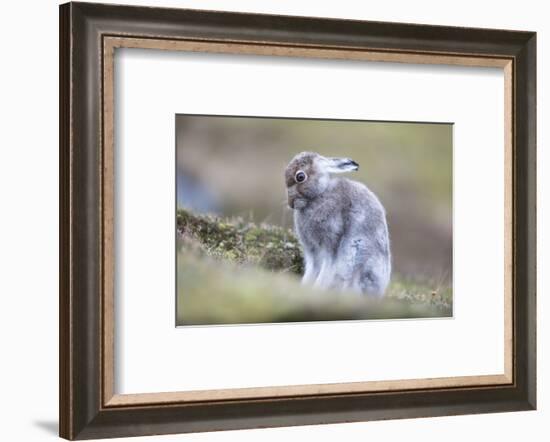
pixel 300 176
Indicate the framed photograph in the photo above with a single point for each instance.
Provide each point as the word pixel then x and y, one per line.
pixel 272 220
pixel 238 231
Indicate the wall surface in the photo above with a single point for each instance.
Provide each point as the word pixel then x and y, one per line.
pixel 29 216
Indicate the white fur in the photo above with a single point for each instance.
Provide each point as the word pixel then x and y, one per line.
pixel 342 227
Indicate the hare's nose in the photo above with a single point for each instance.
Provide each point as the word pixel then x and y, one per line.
pixel 291 202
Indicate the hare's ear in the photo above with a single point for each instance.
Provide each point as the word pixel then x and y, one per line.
pixel 339 165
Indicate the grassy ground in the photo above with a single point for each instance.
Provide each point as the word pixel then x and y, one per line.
pixel 230 271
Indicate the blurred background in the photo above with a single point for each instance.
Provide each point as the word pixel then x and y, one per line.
pixel 234 166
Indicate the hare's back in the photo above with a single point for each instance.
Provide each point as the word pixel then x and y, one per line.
pixel 367 243
pixel 362 201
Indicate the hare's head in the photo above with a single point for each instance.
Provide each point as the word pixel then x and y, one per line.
pixel 308 175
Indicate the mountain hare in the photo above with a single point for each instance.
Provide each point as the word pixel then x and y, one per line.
pixel 341 225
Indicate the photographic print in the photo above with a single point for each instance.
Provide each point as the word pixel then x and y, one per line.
pixel 293 220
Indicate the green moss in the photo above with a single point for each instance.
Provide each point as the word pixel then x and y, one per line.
pixel 273 248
